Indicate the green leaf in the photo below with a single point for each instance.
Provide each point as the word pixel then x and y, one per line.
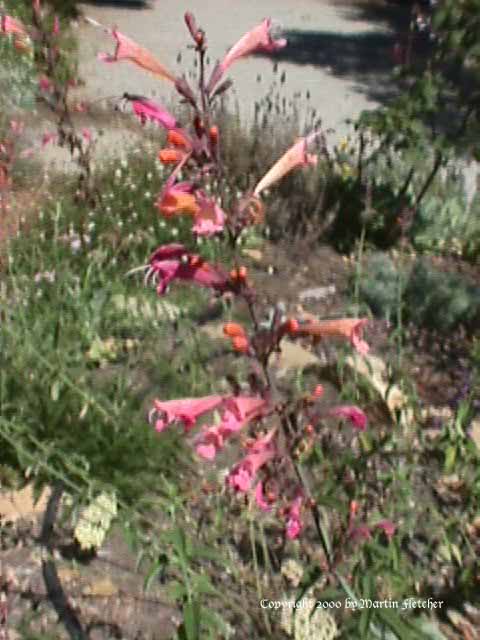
pixel 450 457
pixel 176 590
pixel 55 390
pixel 191 619
pixel 403 630
pixel 202 584
pixel 157 567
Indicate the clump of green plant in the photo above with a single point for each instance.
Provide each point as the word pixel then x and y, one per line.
pixel 429 297
pixel 447 223
pixel 441 300
pixel 380 284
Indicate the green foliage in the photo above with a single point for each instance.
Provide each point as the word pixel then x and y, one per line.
pixel 58 300
pixel 429 297
pixel 441 300
pixel 380 284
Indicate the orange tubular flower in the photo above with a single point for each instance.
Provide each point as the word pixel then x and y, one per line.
pixel 214 134
pixel 239 275
pixel 296 156
pixel 127 49
pixel 237 335
pixel 178 139
pixel 252 210
pixel 22 45
pixel 233 330
pixel 348 328
pixel 240 344
pixel 175 201
pixel 170 156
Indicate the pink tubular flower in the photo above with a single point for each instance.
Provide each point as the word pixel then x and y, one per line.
pixel 147 110
pixel 87 134
pixel 294 524
pixel 127 49
pixel 210 218
pixel 9 25
pixel 45 84
pixel 388 528
pixel 187 411
pixel 173 261
pixel 47 138
pixel 355 415
pixel 210 442
pixel 349 328
pixel 256 40
pixel 296 156
pixel 242 475
pixel 56 26
pixel 361 533
pixel 238 412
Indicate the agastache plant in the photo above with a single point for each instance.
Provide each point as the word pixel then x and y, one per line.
pixel 271 429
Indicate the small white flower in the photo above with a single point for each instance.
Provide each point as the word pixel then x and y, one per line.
pixel 118 174
pixel 174 231
pixel 148 195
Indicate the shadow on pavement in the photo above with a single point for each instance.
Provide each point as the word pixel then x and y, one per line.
pixel 390 14
pixel 363 58
pixel 121 4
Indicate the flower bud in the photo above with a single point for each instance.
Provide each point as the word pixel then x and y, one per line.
pixel 191 24
pixel 240 344
pixel 213 134
pixel 169 156
pixel 194 261
pixel 233 330
pixel 177 139
pixel 242 273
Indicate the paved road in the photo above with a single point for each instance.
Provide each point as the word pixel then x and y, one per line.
pixel 336 57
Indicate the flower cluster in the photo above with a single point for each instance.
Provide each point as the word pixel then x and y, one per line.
pixel 265 451
pixel 269 429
